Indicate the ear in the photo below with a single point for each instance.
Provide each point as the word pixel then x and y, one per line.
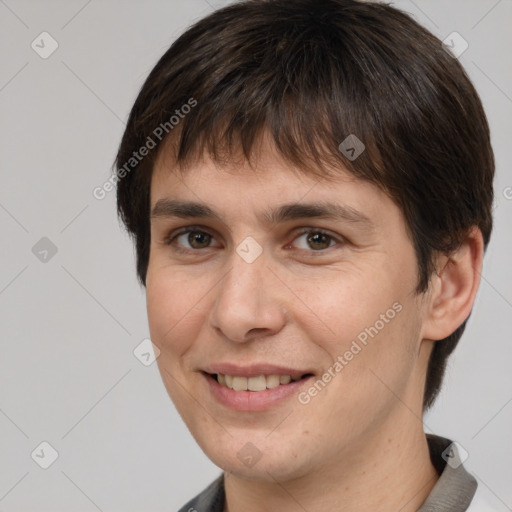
pixel 453 288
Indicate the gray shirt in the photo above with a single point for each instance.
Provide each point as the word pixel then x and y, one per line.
pixel 453 491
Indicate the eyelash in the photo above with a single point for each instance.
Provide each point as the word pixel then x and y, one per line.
pixel 169 240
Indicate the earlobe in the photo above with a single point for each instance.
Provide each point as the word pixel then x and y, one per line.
pixel 453 288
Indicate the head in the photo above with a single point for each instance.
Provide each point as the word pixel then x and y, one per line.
pixel 249 110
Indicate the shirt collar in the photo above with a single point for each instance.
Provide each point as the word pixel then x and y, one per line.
pixel 456 487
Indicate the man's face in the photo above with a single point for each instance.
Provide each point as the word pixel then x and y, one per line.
pixel 248 294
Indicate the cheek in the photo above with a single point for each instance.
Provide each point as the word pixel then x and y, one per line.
pixel 369 318
pixel 172 309
pixel 347 303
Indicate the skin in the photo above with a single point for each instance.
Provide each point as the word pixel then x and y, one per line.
pixel 359 443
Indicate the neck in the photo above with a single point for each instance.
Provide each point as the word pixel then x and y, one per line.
pixel 390 472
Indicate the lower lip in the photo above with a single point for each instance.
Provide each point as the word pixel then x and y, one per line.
pixel 254 400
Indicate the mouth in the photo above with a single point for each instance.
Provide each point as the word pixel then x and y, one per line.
pixel 254 387
pixel 256 383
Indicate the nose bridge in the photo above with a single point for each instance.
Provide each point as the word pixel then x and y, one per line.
pixel 247 277
pixel 247 298
pixel 248 265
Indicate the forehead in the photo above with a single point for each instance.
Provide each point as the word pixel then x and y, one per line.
pixel 269 190
pixel 266 166
pixel 261 157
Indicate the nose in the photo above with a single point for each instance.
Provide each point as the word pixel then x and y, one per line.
pixel 249 302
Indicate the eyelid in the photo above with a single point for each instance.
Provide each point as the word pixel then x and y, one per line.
pixel 185 229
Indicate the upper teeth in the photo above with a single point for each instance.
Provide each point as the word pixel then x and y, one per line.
pixel 259 383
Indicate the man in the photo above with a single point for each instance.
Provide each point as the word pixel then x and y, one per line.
pixel 310 217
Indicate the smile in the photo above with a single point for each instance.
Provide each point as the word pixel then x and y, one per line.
pixel 258 383
pixel 254 393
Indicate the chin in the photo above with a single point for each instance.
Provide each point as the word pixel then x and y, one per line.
pixel 269 464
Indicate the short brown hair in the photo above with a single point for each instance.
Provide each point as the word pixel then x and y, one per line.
pixel 310 73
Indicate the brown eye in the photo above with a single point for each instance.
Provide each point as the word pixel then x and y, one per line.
pixel 198 239
pixel 319 241
pixel 314 240
pixel 190 241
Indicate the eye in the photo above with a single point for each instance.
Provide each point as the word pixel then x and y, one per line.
pixel 190 239
pixel 196 239
pixel 316 240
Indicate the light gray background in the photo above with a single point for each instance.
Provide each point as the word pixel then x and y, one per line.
pixel 69 325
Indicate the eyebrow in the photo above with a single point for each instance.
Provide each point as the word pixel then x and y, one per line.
pixel 168 207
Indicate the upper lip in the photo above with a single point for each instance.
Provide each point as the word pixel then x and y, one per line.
pixel 254 370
